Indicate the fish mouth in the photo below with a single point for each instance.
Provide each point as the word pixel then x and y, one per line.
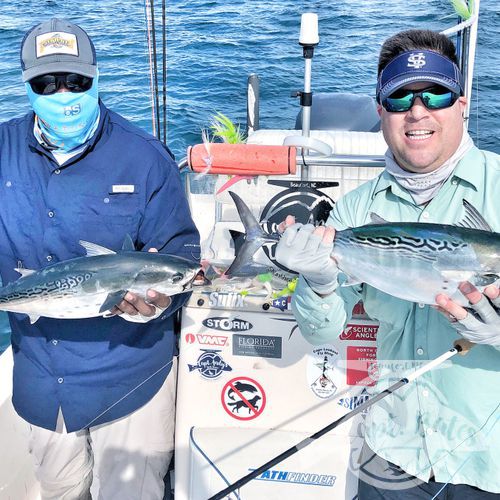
pixel 188 284
pixel 200 279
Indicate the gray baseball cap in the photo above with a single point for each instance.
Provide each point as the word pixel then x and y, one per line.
pixel 57 46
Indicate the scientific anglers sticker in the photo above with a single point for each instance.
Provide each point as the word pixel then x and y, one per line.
pixel 366 331
pixel 322 372
pixel 210 364
pixel 243 398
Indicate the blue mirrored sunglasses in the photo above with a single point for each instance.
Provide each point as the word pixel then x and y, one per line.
pixel 435 97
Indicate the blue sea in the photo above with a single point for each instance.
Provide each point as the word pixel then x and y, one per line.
pixel 212 46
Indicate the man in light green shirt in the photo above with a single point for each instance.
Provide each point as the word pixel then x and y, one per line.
pixel 439 437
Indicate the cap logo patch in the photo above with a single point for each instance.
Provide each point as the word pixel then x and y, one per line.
pixel 416 60
pixel 56 42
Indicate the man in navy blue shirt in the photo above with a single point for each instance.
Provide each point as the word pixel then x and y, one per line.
pixel 98 392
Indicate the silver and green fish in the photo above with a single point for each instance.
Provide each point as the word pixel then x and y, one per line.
pixel 93 285
pixel 410 260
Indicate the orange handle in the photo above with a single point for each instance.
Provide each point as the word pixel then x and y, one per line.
pixel 242 159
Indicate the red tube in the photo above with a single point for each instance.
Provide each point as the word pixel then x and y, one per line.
pixel 242 159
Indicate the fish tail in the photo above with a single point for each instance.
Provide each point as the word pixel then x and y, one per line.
pixel 254 236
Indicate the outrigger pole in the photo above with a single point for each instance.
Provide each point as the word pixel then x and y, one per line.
pixel 461 346
pixel 468 11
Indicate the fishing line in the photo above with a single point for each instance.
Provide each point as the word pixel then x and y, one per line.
pixel 461 346
pixel 477 111
pixel 207 458
pixel 128 394
pixel 468 457
pixel 185 349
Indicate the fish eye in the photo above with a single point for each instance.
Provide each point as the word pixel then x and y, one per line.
pixel 177 277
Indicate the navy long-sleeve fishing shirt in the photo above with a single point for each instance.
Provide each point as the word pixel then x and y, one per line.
pixel 125 182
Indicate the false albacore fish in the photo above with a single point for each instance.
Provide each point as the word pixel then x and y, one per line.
pixel 410 260
pixel 91 286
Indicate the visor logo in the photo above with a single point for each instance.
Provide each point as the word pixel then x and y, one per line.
pixel 416 60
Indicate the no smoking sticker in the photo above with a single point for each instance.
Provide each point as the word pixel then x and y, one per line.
pixel 243 398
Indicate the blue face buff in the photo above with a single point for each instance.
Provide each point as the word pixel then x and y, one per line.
pixel 66 119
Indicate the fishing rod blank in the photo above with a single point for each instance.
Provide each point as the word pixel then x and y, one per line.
pixel 461 346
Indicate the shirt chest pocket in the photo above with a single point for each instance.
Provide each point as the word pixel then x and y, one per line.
pixel 115 211
pixel 18 211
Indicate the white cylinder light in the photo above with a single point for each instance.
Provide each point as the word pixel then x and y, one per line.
pixel 309 29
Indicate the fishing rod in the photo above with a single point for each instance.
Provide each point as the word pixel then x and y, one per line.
pixel 155 68
pixel 150 54
pixel 461 346
pixel 164 67
pixel 158 112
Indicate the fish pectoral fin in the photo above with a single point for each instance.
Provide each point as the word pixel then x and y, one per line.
pixel 477 279
pixel 112 300
pixel 472 219
pixel 350 281
pixel 33 318
pixel 94 249
pixel 485 279
pixel 128 244
pixel 24 272
pixel 376 219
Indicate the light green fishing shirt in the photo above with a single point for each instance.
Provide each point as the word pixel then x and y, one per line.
pixel 445 423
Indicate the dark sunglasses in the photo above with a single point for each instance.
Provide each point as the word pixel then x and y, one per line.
pixel 50 84
pixel 435 97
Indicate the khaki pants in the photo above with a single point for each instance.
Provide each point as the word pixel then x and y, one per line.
pixel 124 459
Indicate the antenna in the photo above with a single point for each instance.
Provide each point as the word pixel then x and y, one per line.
pixel 309 38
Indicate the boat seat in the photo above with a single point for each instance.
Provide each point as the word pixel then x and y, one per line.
pixel 342 142
pixel 342 111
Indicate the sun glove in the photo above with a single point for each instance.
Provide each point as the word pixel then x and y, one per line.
pixel 482 323
pixel 305 253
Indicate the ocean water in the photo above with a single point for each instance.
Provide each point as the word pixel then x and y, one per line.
pixel 213 45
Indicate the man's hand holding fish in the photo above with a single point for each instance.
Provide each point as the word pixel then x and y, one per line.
pixel 481 322
pixel 136 309
pixel 307 250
